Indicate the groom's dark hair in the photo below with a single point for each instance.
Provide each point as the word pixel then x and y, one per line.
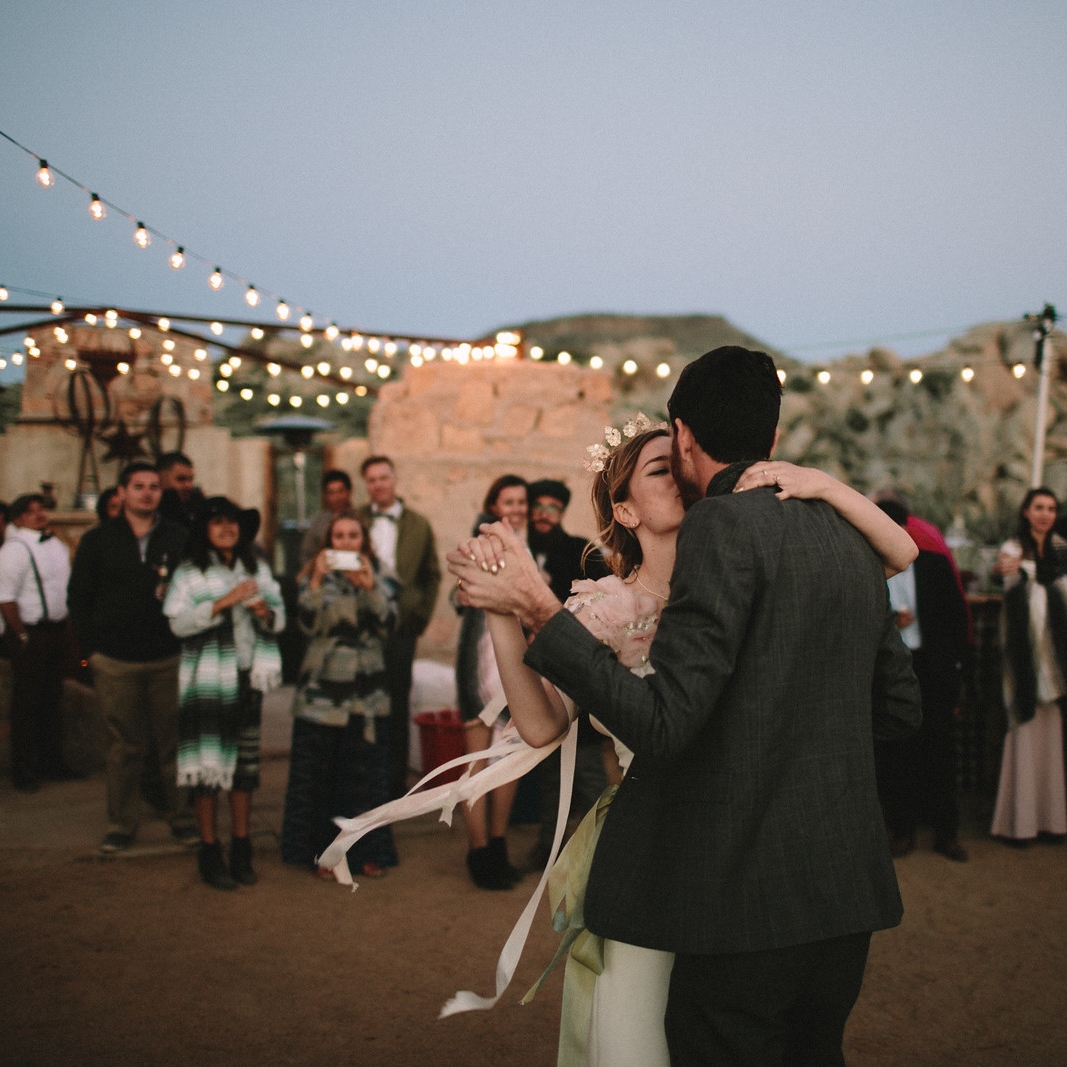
pixel 729 398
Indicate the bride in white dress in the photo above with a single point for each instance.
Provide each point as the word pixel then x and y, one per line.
pixel 615 994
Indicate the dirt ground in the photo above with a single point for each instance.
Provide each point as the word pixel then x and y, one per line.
pixel 133 961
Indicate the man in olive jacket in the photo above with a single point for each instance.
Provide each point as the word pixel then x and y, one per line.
pixel 747 836
pixel 404 544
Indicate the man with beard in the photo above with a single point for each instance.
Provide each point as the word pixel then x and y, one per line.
pixel 747 837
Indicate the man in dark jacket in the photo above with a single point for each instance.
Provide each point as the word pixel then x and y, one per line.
pixel 117 584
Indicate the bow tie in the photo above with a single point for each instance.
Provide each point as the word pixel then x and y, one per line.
pixel 46 535
pixel 383 515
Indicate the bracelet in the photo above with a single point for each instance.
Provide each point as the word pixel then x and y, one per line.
pixel 24 637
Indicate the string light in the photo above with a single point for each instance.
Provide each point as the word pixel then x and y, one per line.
pixel 177 258
pixel 4 294
pixel 96 207
pixel 216 280
pixel 163 325
pixel 916 376
pixel 216 329
pixel 251 296
pixel 257 333
pixel 122 368
pixel 57 306
pixel 141 237
pixel 45 178
pixel 222 385
pixel 867 377
pixel 282 310
pixel 663 370
pixel 967 374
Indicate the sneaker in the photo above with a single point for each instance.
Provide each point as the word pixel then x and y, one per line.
pixel 188 836
pixel 116 842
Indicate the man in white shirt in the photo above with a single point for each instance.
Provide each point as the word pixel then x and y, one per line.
pixel 404 544
pixel 34 569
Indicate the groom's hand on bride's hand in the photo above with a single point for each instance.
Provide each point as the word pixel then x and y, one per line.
pixel 495 572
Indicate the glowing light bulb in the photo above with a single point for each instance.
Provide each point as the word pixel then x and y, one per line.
pixel 235 361
pixel 135 332
pixel 357 341
pixel 200 354
pixel 322 400
pixel 867 377
pixel 596 363
pixel 273 369
pixel 70 364
pixel 225 370
pixel 361 390
pixel 246 393
pixel 215 281
pixel 273 399
pixel 222 385
pixel 323 368
pixel 16 359
pixel 1018 370
pixel 967 374
pixel 565 357
pixel 823 377
pixel 251 296
pixel 416 361
pixel 141 237
pixel 306 340
pixel 331 332
pixel 306 322
pixel 123 368
pixel 57 306
pixel 28 341
pixel 415 349
pixel 508 337
pixel 916 376
pixel 4 294
pixel 390 348
pixel 341 398
pixel 163 325
pixel 96 207
pixel 177 258
pixel 45 178
pixel 781 377
pixel 371 365
pixel 345 372
pixel 90 318
pixel 175 370
pixel 307 372
pixel 168 345
pixel 629 367
pixel 216 328
pixel 282 310
pixel 257 334
pixel 373 345
pixel 194 373
pixel 537 352
pixel 166 359
pixel 296 401
pixel 663 370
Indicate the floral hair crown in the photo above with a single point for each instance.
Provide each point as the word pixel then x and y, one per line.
pixel 600 454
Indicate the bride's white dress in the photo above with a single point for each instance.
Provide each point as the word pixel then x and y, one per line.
pixel 614 994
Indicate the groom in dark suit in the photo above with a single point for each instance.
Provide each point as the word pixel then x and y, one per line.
pixel 747 836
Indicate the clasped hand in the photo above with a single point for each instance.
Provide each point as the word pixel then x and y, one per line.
pixel 494 572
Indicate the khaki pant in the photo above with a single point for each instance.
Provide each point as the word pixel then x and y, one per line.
pixel 139 703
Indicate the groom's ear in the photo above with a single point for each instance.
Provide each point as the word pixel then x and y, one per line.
pixel 684 439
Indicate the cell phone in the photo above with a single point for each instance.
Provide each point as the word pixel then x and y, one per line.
pixel 338 559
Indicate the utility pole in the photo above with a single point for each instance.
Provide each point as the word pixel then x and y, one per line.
pixel 1043 324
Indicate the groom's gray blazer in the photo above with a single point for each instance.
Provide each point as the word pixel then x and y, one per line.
pixel 749 817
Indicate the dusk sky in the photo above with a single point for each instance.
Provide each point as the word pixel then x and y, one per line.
pixel 827 175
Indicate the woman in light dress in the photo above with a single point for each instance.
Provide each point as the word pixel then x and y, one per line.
pixel 615 994
pixel 1030 796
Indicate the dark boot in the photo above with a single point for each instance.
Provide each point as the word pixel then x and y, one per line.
pixel 213 867
pixel 498 851
pixel 241 861
pixel 483 872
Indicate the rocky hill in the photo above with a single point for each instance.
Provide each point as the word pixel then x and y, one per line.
pixel 958 446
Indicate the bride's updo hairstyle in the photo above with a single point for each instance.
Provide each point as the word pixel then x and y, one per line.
pixel 612 486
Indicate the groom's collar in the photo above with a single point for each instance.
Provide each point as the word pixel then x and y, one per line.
pixel 727 478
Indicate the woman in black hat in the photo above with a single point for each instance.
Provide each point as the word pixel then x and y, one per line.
pixel 225 606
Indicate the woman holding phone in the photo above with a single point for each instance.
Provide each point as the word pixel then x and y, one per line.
pixel 339 764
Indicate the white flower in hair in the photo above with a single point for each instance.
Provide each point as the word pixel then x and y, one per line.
pixel 600 454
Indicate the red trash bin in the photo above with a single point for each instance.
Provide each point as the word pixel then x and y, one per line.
pixel 441 739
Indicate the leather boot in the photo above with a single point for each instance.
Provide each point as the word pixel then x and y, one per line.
pixel 483 871
pixel 241 861
pixel 498 851
pixel 213 867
